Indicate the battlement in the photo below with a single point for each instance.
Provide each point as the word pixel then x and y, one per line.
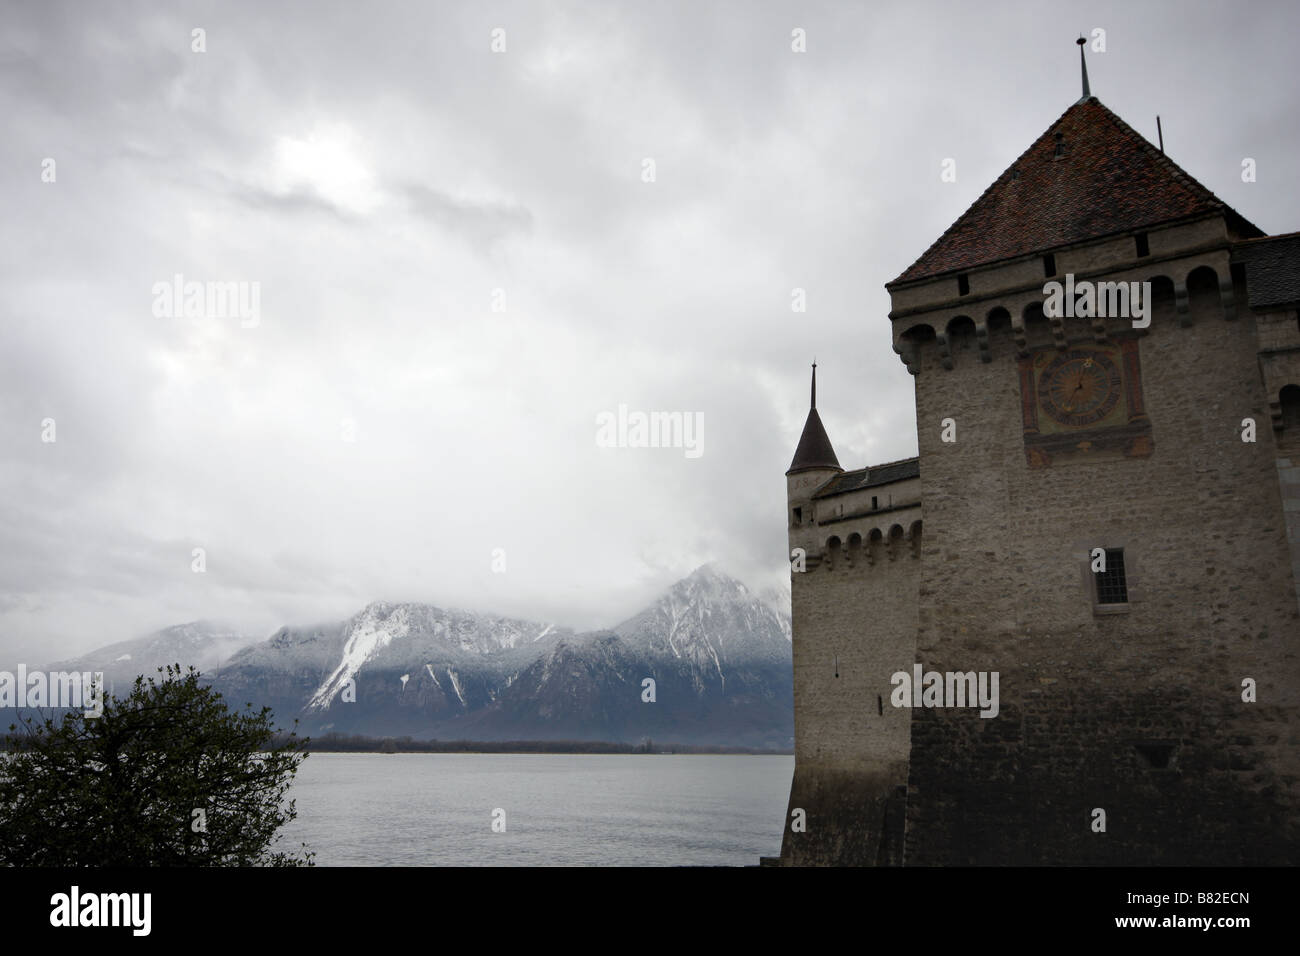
pixel 1014 321
pixel 878 544
pixel 857 518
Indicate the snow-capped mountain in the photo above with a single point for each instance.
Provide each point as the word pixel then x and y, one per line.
pixel 713 622
pixel 718 653
pixel 206 645
pixel 390 669
pixel 719 656
pixel 411 634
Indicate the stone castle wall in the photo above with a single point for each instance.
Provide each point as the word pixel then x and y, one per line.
pixel 854 623
pixel 1092 703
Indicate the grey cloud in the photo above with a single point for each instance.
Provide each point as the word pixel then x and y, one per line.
pixel 476 429
pixel 479 223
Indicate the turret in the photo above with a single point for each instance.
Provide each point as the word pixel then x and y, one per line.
pixel 814 464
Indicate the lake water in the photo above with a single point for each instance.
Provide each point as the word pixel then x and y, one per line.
pixel 560 809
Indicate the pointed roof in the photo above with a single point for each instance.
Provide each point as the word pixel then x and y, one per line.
pixel 814 449
pixel 1109 180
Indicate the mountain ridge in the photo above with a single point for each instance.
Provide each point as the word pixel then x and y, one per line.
pixel 718 653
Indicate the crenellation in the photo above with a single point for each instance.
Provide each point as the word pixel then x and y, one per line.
pixel 1174 249
pixel 1024 308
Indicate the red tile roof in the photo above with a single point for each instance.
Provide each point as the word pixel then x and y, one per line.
pixel 1110 180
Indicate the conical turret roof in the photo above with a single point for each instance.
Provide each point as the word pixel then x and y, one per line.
pixel 814 449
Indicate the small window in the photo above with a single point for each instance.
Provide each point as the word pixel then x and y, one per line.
pixel 1143 248
pixel 874 506
pixel 798 516
pixel 963 285
pixel 1158 755
pixel 1112 584
pixel 1049 265
pixel 1289 401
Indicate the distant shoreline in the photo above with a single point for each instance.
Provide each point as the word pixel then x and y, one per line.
pixel 337 743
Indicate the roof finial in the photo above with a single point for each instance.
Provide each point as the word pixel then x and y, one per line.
pixel 1084 67
pixel 814 451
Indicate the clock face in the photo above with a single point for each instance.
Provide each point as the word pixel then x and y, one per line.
pixel 1079 387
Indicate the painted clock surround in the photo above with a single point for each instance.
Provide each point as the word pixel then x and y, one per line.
pixel 1101 417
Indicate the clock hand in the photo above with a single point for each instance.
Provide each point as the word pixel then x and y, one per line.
pixel 1077 388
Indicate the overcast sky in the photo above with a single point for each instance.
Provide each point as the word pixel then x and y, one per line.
pixel 377 170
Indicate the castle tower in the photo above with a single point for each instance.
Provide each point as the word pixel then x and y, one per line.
pixel 854 540
pixel 1107 377
pixel 1095 436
